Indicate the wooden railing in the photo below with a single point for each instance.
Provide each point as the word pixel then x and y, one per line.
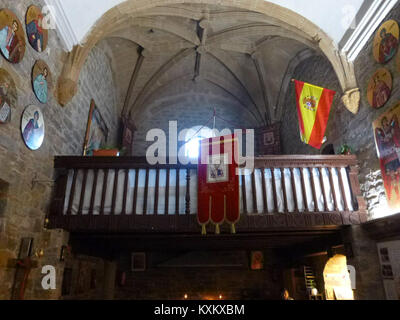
pixel 125 194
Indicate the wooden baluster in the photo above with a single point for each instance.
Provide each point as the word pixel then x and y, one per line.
pixel 244 193
pixel 296 205
pixel 314 191
pixel 167 192
pixel 135 192
pixel 254 191
pixel 103 196
pixel 72 193
pixel 156 192
pixel 264 190
pixel 342 190
pixel 146 191
pixel 94 188
pixel 115 189
pixel 321 180
pixel 83 190
pixel 333 189
pixel 123 212
pixel 177 192
pixel 285 200
pixel 275 192
pixel 187 199
pixel 303 190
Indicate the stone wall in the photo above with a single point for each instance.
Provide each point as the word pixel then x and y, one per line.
pixel 190 104
pixel 159 281
pixel 25 205
pixel 343 126
pixel 365 259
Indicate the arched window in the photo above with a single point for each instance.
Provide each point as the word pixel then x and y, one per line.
pixel 193 138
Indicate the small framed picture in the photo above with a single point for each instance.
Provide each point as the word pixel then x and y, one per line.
pixel 269 138
pixel 138 261
pixel 257 260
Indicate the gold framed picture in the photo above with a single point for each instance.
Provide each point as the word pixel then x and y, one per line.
pixel 36 32
pixel 379 88
pixel 12 36
pixel 386 41
pixel 8 96
pixel 41 81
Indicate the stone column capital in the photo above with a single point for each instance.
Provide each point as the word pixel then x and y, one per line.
pixel 351 100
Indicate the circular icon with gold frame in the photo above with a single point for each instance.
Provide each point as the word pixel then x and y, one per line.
pixel 379 88
pixel 12 36
pixel 32 127
pixel 37 35
pixel 41 81
pixel 386 41
pixel 8 96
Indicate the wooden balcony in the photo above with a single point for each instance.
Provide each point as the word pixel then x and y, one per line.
pixel 125 195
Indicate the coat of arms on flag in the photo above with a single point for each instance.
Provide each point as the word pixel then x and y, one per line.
pixel 218 183
pixel 313 108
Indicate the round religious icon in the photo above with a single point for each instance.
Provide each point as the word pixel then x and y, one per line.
pixel 8 96
pixel 37 34
pixel 41 80
pixel 379 88
pixel 12 37
pixel 32 127
pixel 386 41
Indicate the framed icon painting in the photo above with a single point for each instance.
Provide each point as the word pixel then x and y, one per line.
pixel 386 41
pixel 257 260
pixel 32 127
pixel 96 131
pixel 379 88
pixel 12 36
pixel 41 81
pixel 387 138
pixel 36 32
pixel 8 96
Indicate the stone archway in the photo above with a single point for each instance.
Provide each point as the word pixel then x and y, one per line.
pixel 285 22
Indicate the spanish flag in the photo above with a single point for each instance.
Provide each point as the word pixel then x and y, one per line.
pixel 313 108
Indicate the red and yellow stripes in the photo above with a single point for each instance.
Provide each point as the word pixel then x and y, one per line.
pixel 313 108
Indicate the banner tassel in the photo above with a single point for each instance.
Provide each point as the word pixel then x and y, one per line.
pixel 203 230
pixel 217 230
pixel 233 229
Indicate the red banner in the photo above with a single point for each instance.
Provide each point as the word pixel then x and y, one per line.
pixel 218 183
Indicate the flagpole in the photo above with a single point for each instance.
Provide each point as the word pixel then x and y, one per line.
pixel 214 118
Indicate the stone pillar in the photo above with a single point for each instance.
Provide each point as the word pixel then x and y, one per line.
pixel 110 270
pixel 363 255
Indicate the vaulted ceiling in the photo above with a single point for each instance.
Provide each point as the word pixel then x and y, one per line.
pixel 239 51
pixel 247 49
